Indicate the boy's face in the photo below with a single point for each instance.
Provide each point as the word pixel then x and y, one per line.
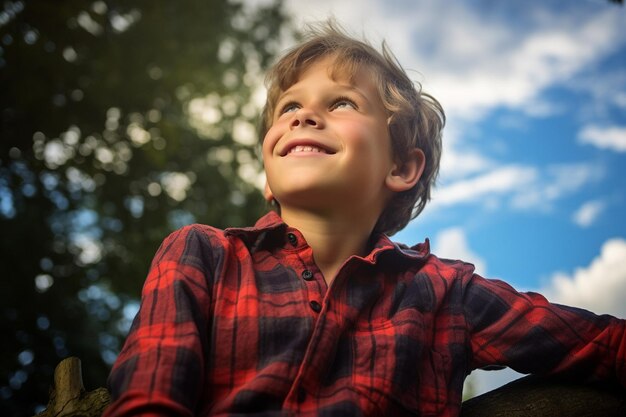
pixel 329 143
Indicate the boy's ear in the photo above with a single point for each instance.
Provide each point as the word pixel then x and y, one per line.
pixel 404 177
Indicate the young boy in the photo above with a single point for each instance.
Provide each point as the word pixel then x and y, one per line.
pixel 314 311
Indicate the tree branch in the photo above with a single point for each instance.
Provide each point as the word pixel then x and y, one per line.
pixel 548 397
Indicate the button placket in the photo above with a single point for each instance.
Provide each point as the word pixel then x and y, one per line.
pixel 307 274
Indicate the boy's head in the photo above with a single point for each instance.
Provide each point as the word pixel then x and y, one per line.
pixel 414 119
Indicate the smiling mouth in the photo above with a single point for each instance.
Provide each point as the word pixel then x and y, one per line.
pixel 307 149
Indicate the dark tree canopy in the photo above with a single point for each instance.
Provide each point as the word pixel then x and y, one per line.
pixel 120 122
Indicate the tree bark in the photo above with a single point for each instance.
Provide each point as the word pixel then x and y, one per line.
pixel 533 396
pixel 69 398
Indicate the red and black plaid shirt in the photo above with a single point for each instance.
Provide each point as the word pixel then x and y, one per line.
pixel 241 322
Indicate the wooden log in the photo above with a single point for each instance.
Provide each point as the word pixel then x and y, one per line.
pixel 548 397
pixel 531 396
pixel 68 382
pixel 69 398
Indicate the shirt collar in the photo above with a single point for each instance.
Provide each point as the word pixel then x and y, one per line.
pixel 269 224
pixel 271 227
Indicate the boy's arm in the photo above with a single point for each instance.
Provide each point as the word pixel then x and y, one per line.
pixel 161 366
pixel 527 333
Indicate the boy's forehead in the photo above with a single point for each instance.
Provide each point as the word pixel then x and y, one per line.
pixel 338 70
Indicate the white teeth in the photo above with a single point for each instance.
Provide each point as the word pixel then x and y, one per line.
pixel 306 148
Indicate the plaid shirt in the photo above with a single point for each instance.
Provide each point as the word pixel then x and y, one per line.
pixel 241 322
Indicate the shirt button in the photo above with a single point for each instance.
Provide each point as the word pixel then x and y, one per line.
pixel 315 306
pixel 307 275
pixel 292 239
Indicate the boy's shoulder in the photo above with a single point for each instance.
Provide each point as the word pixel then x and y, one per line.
pixel 203 235
pixel 433 266
pixel 191 245
pixel 422 250
pixel 195 232
pixel 427 265
pixel 204 247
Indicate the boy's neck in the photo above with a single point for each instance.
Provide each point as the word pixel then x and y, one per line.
pixel 333 238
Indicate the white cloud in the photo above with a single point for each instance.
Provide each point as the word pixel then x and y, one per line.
pixel 604 137
pixel 542 108
pixel 604 94
pixel 522 187
pixel 499 181
pixel 599 287
pixel 485 381
pixel 620 99
pixel 588 213
pixel 457 160
pixel 557 181
pixel 452 244
pixel 356 19
pixel 473 64
pixel 456 163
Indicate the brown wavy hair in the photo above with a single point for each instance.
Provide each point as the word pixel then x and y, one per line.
pixel 416 119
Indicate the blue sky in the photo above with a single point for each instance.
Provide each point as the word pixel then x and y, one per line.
pixel 532 183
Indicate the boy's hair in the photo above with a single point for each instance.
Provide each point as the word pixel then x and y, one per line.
pixel 416 119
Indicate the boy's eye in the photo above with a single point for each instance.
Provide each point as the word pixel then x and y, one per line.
pixel 343 102
pixel 289 107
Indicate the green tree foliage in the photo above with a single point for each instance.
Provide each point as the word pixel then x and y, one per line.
pixel 120 122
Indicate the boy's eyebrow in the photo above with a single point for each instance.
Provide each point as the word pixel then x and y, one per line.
pixel 343 87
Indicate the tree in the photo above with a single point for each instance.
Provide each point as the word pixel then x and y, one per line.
pixel 121 121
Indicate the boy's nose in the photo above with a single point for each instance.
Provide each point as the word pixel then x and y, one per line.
pixel 304 117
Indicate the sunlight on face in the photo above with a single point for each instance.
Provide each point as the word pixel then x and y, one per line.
pixel 329 143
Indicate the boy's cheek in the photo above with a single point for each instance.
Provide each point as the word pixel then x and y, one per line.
pixel 269 141
pixel 267 192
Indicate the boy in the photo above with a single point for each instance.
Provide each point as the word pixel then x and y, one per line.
pixel 314 311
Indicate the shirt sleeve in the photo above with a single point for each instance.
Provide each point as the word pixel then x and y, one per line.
pixel 531 335
pixel 160 368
